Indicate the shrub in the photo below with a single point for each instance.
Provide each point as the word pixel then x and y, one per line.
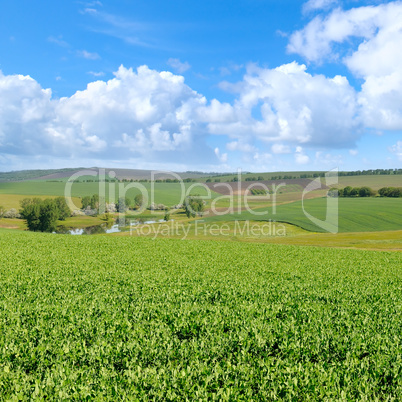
pixel 11 214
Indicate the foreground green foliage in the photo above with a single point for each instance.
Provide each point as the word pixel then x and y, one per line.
pixel 102 317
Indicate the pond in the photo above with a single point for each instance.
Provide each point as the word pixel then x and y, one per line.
pixel 107 227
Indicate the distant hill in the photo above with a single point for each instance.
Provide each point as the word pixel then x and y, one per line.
pixel 21 175
pixel 63 174
pixel 141 174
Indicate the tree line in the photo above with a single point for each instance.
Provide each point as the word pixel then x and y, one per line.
pixel 365 191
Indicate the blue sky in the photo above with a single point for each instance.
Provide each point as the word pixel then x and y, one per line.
pixel 261 85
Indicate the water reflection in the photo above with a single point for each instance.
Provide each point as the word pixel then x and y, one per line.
pixel 107 227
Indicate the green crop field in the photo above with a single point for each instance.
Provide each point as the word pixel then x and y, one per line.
pixel 99 317
pixel 375 181
pixel 355 214
pixel 165 193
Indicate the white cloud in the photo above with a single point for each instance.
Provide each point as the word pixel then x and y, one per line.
pixel 397 150
pixel 222 157
pixel 353 152
pixel 262 158
pixel 88 55
pixel 25 111
pixel 300 157
pixel 216 112
pixel 240 146
pixel 178 66
pixel 315 41
pixel 377 59
pixel 145 112
pixel 96 73
pixel 312 5
pixel 280 149
pixel 295 106
pixel 136 114
pixel 146 116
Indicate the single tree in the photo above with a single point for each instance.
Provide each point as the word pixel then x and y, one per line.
pixel 85 201
pixel 138 200
pixel 194 205
pixel 95 201
pixel 346 191
pixel 121 205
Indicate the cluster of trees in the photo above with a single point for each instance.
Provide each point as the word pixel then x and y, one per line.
pixel 390 192
pixel 258 191
pixel 259 178
pixel 42 215
pixel 279 177
pixel 210 181
pixel 318 174
pixel 92 202
pixel 188 180
pixel 371 172
pixel 365 192
pixel 194 206
pixel 97 181
pixel 349 191
pixel 124 203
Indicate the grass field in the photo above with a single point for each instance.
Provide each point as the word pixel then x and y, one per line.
pixel 165 193
pixel 375 182
pixel 355 214
pixel 99 317
pixel 265 232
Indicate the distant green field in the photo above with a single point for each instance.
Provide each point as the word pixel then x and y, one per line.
pixel 109 318
pixel 355 214
pixel 358 180
pixel 165 193
pixel 375 182
pixel 265 175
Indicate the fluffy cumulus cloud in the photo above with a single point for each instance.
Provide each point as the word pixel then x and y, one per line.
pixel 294 106
pixel 135 114
pixel 151 115
pixel 25 113
pixel 376 59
